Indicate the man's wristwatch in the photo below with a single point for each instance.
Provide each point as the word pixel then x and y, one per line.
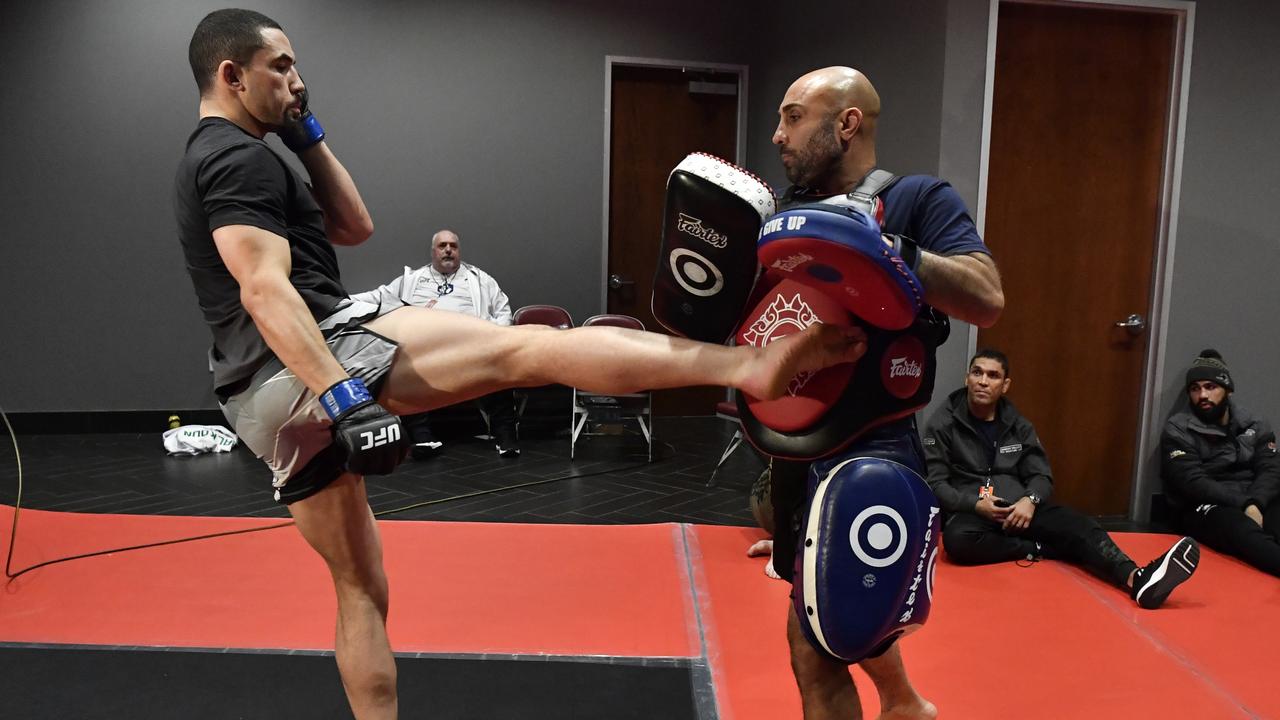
pixel 1034 498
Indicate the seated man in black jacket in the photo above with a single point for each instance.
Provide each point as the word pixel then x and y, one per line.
pixel 1221 471
pixel 992 477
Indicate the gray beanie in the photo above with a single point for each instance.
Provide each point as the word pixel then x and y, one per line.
pixel 1209 366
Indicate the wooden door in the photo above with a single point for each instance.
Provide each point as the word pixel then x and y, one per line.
pixel 658 116
pixel 1078 132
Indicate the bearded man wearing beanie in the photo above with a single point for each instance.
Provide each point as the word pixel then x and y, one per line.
pixel 1221 471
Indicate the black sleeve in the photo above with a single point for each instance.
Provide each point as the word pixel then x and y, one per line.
pixel 244 185
pixel 1266 470
pixel 1033 465
pixel 1183 471
pixel 936 450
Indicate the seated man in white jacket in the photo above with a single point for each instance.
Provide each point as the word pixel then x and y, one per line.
pixel 447 283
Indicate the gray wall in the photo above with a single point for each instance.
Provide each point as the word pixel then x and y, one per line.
pixel 483 116
pixel 488 116
pixel 960 152
pixel 1224 292
pixel 899 46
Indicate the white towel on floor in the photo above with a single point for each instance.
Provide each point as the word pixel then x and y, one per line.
pixel 196 439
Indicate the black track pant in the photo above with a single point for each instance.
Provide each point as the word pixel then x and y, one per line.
pixel 1230 531
pixel 1063 534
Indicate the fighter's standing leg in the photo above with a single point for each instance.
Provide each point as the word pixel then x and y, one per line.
pixel 827 691
pixel 898 697
pixel 339 525
pixel 826 687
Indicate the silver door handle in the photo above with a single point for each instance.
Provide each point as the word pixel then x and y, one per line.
pixel 1134 324
pixel 616 282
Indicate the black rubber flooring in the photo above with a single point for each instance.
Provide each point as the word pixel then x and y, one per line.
pixel 140 684
pixel 608 482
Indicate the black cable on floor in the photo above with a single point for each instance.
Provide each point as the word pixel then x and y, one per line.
pixel 17 508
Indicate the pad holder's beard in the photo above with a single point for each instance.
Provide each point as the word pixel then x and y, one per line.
pixel 823 412
pixel 864 567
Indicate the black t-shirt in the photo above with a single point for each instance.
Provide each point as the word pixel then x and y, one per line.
pixel 229 177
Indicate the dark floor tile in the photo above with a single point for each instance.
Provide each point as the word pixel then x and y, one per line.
pixel 609 481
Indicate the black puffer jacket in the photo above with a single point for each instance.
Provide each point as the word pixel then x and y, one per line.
pixel 1235 465
pixel 957 456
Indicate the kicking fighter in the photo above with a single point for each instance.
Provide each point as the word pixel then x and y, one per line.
pixel 310 379
pixel 856 527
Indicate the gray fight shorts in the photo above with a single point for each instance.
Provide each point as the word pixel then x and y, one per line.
pixel 281 420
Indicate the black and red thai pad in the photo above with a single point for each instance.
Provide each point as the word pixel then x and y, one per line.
pixel 707 267
pixel 789 308
pixel 839 250
pixel 891 381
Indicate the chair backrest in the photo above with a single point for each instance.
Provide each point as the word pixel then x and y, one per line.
pixel 612 320
pixel 552 315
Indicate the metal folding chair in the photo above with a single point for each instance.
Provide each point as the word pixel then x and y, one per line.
pixel 632 406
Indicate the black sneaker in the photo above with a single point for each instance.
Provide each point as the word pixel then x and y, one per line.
pixel 1153 583
pixel 507 444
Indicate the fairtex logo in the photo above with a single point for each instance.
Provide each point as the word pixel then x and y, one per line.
pixel 902 367
pixel 781 318
pixel 924 566
pixel 693 226
pixel 791 262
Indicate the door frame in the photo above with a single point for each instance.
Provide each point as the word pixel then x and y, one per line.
pixel 740 148
pixel 1151 399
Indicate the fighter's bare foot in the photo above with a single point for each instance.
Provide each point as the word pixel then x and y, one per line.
pixel 764 547
pixel 922 710
pixel 817 347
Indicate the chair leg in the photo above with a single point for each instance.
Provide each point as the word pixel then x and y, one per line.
pixel 576 423
pixel 648 414
pixel 647 431
pixel 581 415
pixel 734 442
pixel 575 427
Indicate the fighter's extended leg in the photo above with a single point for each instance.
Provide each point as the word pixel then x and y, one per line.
pixel 338 524
pixel 449 357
